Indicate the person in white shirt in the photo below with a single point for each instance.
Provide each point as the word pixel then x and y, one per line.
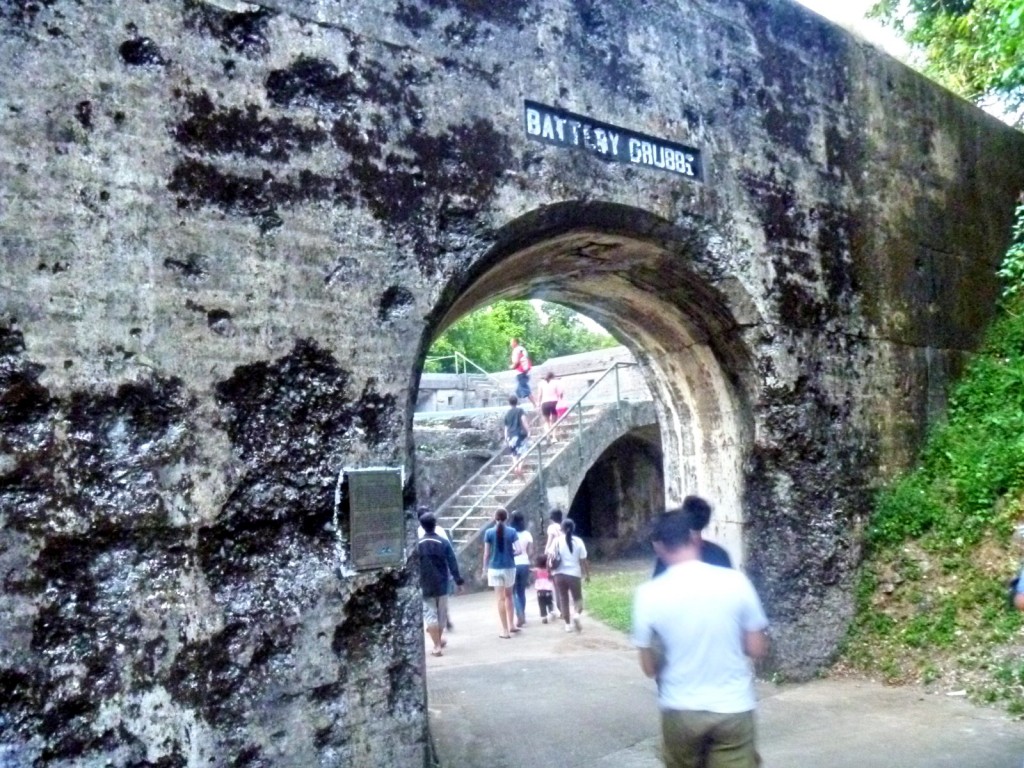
pixel 421 532
pixel 523 551
pixel 553 532
pixel 550 394
pixel 567 557
pixel 697 626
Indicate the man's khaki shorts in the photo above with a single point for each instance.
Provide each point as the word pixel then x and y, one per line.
pixel 693 739
pixel 435 611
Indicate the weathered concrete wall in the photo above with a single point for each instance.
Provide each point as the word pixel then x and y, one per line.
pixel 450 450
pixel 228 231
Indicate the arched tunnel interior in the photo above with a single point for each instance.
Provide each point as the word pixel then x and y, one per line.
pixel 618 494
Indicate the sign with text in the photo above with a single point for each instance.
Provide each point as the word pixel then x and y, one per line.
pixel 566 129
pixel 376 517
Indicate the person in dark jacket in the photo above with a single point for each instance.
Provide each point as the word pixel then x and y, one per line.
pixel 710 553
pixel 437 565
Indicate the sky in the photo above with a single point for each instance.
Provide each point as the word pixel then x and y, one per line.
pixel 840 10
pixel 850 14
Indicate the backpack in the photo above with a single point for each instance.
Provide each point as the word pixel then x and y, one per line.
pixel 554 555
pixel 522 359
pixel 1011 591
pixel 554 560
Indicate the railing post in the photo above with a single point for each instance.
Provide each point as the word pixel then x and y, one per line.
pixel 540 469
pixel 617 395
pixel 579 430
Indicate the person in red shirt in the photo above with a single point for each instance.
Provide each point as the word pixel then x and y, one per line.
pixel 520 362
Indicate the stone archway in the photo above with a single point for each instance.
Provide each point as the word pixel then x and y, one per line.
pixel 232 226
pixel 619 495
pixel 634 273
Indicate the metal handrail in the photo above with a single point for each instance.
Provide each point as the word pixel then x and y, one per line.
pixel 466 362
pixel 577 405
pixel 473 477
pixel 536 447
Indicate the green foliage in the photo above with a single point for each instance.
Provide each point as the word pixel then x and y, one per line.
pixel 972 468
pixel 974 47
pixel 933 584
pixel 934 626
pixel 904 510
pixel 972 462
pixel 483 336
pixel 1012 270
pixel 565 334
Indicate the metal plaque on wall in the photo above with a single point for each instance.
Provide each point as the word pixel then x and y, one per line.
pixel 562 128
pixel 377 521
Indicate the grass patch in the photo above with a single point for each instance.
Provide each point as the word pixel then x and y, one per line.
pixel 609 596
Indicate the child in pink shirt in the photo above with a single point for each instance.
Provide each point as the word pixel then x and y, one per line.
pixel 544 586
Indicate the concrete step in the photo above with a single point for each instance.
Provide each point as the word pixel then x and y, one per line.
pixel 467 502
pixel 482 488
pixel 470 521
pixel 480 508
pixel 488 490
pixel 467 499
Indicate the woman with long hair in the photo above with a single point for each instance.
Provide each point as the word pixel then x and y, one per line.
pixel 499 566
pixel 523 551
pixel 568 555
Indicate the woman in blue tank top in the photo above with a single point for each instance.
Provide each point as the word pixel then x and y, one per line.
pixel 499 566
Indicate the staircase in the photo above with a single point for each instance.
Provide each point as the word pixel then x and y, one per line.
pixel 471 508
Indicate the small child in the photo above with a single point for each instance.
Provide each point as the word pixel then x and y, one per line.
pixel 545 589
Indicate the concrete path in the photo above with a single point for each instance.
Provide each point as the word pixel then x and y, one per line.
pixel 548 698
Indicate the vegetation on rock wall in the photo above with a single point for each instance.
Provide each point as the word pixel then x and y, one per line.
pixel 483 336
pixel 932 599
pixel 974 47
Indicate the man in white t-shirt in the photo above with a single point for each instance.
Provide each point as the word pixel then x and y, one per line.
pixel 421 532
pixel 554 529
pixel 697 626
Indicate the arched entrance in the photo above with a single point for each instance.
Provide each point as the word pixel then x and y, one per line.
pixel 616 496
pixel 634 273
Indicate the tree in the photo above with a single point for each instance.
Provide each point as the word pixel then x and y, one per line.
pixel 974 47
pixel 564 333
pixel 483 336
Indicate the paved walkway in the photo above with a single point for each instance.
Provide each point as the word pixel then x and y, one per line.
pixel 548 698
